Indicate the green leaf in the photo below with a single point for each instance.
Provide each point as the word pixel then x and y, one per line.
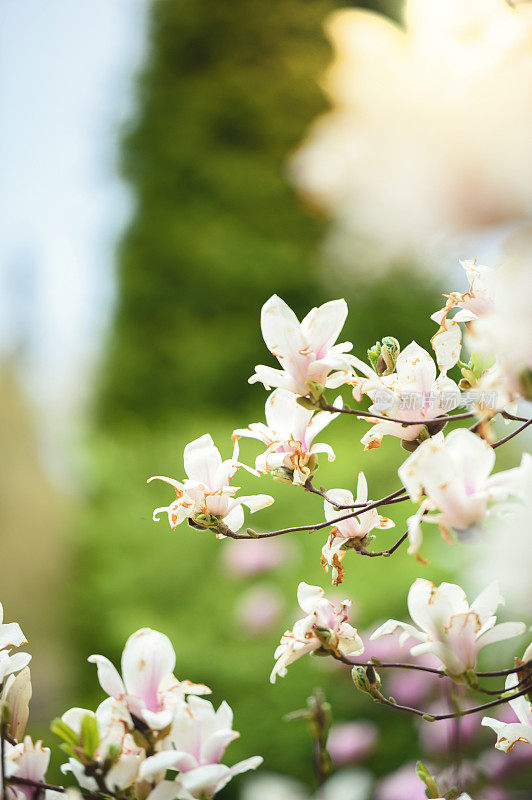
pixel 90 737
pixel 64 732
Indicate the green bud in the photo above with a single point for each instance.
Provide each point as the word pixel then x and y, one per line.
pixel 205 520
pixel 367 680
pixel 315 390
pixel 282 475
pixel 252 533
pixel 425 776
pixel 383 355
pixel 328 638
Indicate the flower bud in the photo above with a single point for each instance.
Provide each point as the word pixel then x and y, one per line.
pixel 328 638
pixel 17 698
pixel 383 355
pixel 367 680
pixel 315 390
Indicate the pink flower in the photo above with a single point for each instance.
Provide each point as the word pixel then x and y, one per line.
pixel 246 558
pixel 207 492
pixel 325 622
pixel 196 743
pixel 258 609
pixel 351 741
pixel 305 350
pixel 147 687
pixel 401 784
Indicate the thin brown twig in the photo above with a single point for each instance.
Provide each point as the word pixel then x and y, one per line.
pixel 62 789
pixel 371 415
pixel 511 435
pixel 385 553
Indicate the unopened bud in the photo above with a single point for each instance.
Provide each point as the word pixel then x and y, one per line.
pixel 383 355
pixel 307 403
pixel 367 680
pixel 328 638
pixel 17 698
pixel 282 475
pixel 205 520
pixel 425 776
pixel 315 390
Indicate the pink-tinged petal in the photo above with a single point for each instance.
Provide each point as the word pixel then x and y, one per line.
pixel 321 327
pixel 147 659
pixel 415 370
pixel 256 430
pixel 216 744
pixel 392 625
pixel 521 706
pixel 202 460
pixel 323 448
pixel 283 336
pixel 108 676
pixel 308 596
pixel 11 635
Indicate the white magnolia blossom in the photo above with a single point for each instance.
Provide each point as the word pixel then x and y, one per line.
pixel 148 688
pixel 448 627
pixel 454 475
pixel 505 330
pixel 29 760
pixel 196 743
pixel 305 350
pixel 476 302
pixel 412 392
pixel 288 434
pixel 438 81
pixel 347 530
pixel 509 733
pixel 324 622
pixel 113 730
pixel 207 490
pixel 11 636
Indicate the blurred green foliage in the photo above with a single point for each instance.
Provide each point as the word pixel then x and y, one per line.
pixel 227 91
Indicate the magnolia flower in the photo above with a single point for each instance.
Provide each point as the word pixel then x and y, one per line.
pixel 305 350
pixel 410 393
pixel 325 625
pixel 207 491
pixel 147 688
pixel 26 760
pixel 195 745
pixel 112 727
pixel 288 435
pixel 509 733
pixel 454 475
pixel 410 194
pixel 450 628
pixel 477 301
pixel 347 531
pixel 11 636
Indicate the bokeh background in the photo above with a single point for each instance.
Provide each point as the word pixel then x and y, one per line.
pixel 149 209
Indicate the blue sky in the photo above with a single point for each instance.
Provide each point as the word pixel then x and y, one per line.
pixel 66 71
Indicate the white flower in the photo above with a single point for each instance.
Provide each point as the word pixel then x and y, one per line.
pixel 11 636
pixel 477 301
pixel 288 435
pixel 147 688
pixel 306 351
pixel 196 743
pixel 410 393
pixel 509 733
pixel 207 490
pixel 324 622
pixel 454 474
pixel 16 694
pixel 26 760
pixel 112 726
pixel 389 163
pixel 450 628
pixel 346 530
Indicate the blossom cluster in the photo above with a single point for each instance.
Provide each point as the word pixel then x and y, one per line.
pixel 154 736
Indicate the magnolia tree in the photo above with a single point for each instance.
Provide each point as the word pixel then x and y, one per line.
pixel 157 737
